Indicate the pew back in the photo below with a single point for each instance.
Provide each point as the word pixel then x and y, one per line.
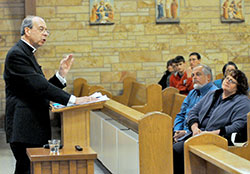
pixel 95 88
pixel 82 88
pixel 140 97
pixel 155 136
pixel 137 94
pixel 153 100
pixel 176 107
pixel 207 153
pixel 78 85
pixel 127 86
pixel 85 89
pixel 155 144
pixel 168 99
pixel 244 152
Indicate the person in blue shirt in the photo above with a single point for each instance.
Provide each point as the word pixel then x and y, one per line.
pixel 226 68
pixel 202 79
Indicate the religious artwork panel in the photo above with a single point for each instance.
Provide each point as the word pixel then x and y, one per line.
pixel 232 11
pixel 167 11
pixel 101 12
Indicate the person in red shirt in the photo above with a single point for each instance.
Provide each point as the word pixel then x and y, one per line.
pixel 182 80
pixel 180 67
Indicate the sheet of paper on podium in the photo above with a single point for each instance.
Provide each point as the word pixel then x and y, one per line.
pixel 97 95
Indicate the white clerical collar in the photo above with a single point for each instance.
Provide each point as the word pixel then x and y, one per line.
pixel 34 49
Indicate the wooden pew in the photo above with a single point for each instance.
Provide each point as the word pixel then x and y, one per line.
pixel 127 86
pixel 137 94
pixel 176 107
pixel 82 88
pixel 153 99
pixel 154 136
pixel 208 153
pixel 168 99
pixel 78 85
pixel 155 144
pixel 140 97
pixel 244 152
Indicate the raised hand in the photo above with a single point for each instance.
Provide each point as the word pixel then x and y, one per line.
pixel 65 65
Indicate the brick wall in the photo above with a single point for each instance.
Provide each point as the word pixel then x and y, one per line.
pixel 133 46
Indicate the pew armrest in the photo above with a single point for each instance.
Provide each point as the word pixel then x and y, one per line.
pixel 221 158
pixel 123 110
pixel 209 152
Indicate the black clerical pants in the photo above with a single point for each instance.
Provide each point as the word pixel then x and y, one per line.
pixel 22 160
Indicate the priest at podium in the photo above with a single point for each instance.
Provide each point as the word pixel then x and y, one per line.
pixel 28 92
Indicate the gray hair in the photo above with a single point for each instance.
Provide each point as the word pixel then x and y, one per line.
pixel 207 70
pixel 27 22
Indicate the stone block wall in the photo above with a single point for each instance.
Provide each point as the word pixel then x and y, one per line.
pixel 134 46
pixel 11 15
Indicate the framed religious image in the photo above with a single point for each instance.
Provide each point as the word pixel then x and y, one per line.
pixel 167 11
pixel 232 11
pixel 101 12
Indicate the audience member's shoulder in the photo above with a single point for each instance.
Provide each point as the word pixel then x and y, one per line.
pixel 192 92
pixel 218 83
pixel 172 75
pixel 242 100
pixel 212 92
pixel 243 97
pixel 214 87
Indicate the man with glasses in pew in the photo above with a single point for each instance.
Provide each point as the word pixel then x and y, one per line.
pixel 222 112
pixel 28 93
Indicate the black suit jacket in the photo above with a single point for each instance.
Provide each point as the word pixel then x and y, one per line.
pixel 28 94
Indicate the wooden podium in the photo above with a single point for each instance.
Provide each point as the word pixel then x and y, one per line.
pixel 75 124
pixel 75 131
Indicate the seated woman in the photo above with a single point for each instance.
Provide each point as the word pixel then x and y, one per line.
pixel 164 82
pixel 226 68
pixel 223 112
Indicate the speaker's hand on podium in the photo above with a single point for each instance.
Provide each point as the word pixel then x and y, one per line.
pixel 80 100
